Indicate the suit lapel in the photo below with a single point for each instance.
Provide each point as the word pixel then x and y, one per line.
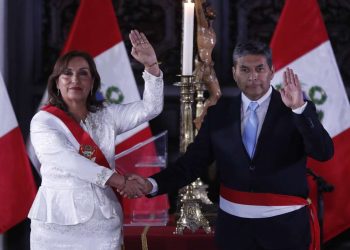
pixel 229 125
pixel 271 116
pixel 236 110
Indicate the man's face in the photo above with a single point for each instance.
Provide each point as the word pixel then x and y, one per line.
pixel 253 75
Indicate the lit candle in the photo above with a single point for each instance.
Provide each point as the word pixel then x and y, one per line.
pixel 187 43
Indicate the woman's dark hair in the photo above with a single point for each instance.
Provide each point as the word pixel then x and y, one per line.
pixel 252 48
pixel 92 104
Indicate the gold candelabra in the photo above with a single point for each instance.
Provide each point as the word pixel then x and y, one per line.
pixel 192 195
pixel 191 216
pixel 186 112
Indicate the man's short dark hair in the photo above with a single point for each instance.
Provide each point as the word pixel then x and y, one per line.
pixel 252 48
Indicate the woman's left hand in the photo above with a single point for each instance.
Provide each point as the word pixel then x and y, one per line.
pixel 143 52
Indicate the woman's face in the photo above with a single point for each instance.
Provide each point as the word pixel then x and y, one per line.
pixel 75 82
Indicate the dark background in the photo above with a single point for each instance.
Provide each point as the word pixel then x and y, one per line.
pixel 37 30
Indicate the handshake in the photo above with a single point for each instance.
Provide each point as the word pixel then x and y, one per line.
pixel 130 185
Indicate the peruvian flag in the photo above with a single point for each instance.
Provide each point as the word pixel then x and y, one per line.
pixel 17 187
pixel 95 30
pixel 301 42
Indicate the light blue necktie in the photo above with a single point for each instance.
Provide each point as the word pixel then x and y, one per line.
pixel 251 129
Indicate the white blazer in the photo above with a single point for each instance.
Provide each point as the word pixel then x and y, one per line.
pixel 72 184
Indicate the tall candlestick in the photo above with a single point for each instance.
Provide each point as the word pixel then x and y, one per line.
pixel 187 43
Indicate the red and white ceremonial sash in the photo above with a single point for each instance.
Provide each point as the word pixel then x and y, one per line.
pixel 88 148
pixel 264 205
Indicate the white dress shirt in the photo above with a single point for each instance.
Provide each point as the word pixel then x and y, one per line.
pixel 261 111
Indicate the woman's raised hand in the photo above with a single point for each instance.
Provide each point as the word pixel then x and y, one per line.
pixel 143 52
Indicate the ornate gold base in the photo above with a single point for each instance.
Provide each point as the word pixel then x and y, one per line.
pixel 190 213
pixel 200 191
pixel 191 216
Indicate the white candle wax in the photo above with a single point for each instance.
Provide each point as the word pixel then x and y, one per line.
pixel 187 43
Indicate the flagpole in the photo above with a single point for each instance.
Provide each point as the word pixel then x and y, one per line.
pixel 322 187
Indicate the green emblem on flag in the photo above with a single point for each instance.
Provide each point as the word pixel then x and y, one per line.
pixel 316 94
pixel 114 95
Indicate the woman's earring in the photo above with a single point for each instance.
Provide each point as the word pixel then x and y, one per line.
pixel 58 92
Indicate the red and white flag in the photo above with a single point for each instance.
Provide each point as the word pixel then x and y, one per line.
pixel 17 186
pixel 301 42
pixel 95 30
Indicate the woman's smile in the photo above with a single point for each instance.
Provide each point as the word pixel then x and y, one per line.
pixel 76 88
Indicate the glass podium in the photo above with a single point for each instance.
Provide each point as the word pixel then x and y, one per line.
pixel 145 158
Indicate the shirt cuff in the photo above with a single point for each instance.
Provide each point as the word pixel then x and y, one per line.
pixel 300 109
pixel 154 186
pixel 103 177
pixel 149 76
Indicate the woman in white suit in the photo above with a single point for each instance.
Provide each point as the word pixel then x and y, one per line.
pixel 73 137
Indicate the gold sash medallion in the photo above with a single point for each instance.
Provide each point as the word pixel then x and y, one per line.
pixel 88 151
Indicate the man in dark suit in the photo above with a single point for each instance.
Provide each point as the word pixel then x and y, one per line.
pixel 260 141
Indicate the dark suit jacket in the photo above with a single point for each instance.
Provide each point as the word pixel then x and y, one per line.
pixel 278 166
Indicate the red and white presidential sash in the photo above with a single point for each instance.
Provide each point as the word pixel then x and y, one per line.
pixel 264 205
pixel 88 148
